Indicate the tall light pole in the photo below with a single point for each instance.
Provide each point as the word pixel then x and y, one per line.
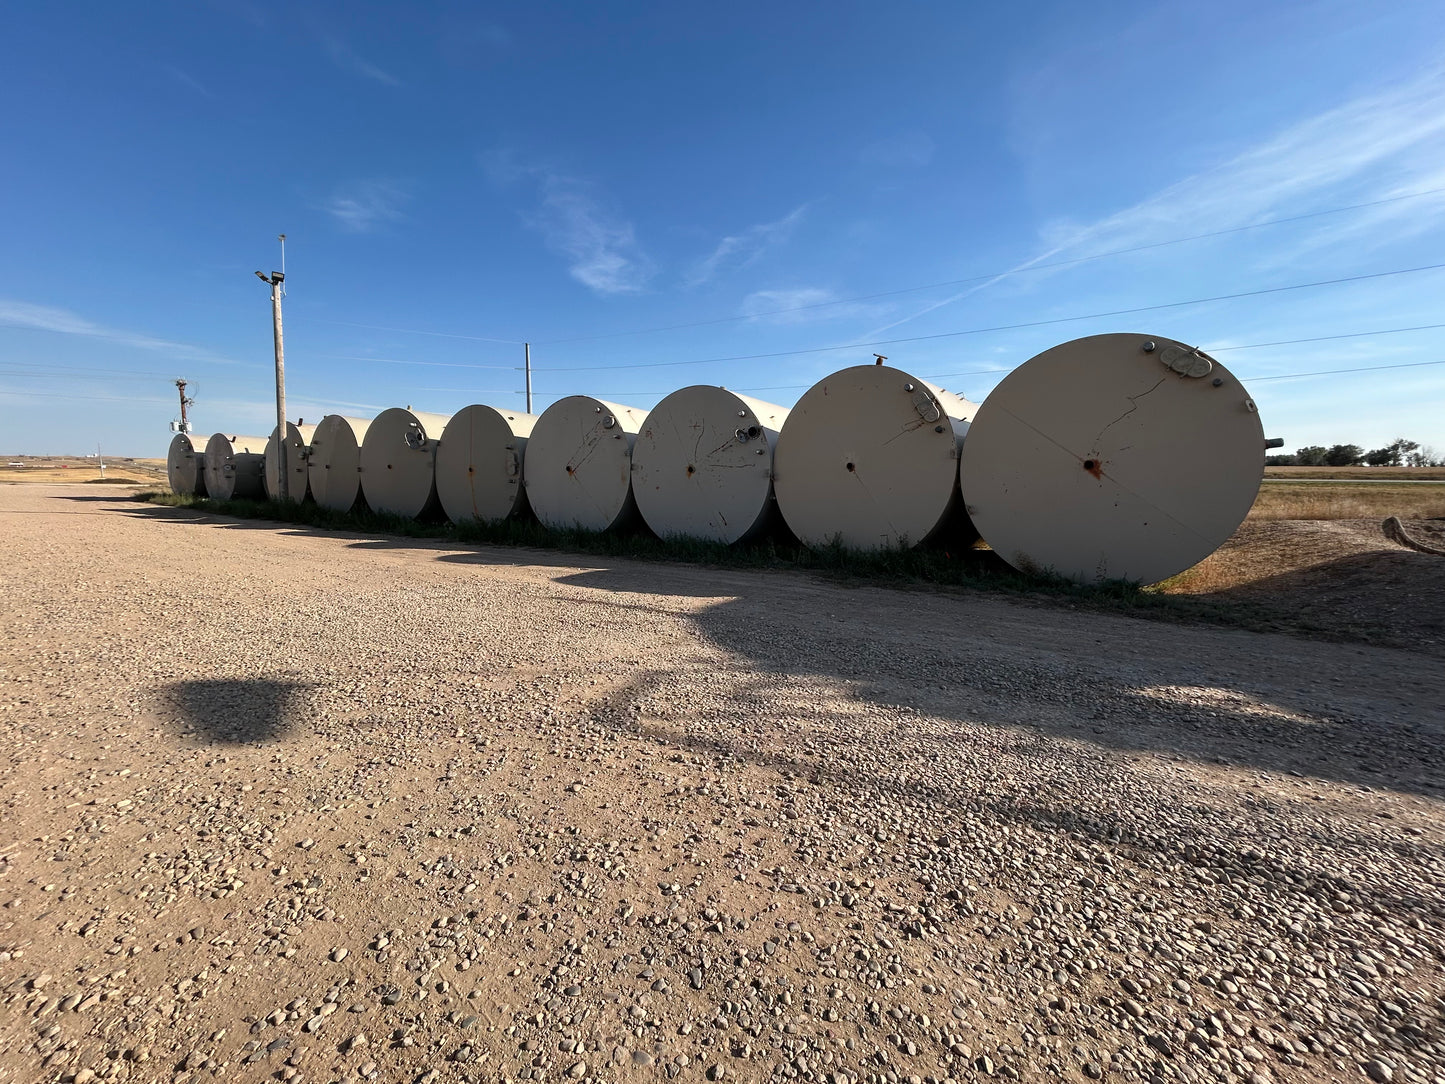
pixel 276 278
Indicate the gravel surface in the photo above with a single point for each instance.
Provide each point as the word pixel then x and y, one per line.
pixel 280 804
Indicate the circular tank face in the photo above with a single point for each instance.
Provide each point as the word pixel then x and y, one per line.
pixel 186 467
pixel 298 441
pixel 869 456
pixel 578 470
pixel 702 465
pixel 333 467
pixel 479 463
pixel 398 461
pixel 235 467
pixel 1113 457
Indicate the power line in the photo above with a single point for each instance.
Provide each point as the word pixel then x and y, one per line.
pixel 46 374
pixel 477 391
pixel 1334 372
pixel 999 274
pixel 92 398
pixel 404 361
pixel 1325 338
pixel 46 367
pixel 904 290
pixel 419 331
pixel 1000 327
pixel 1255 346
pixel 944 376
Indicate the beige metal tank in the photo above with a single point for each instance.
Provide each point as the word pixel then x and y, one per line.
pixel 298 444
pixel 869 456
pixel 578 470
pixel 333 467
pixel 479 463
pixel 235 467
pixel 186 467
pixel 1128 457
pixel 702 466
pixel 398 461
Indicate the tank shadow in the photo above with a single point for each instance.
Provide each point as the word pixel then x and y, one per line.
pixel 238 711
pixel 1111 681
pixel 901 775
pixel 1393 597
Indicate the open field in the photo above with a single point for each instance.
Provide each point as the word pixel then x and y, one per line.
pixel 299 804
pixel 68 469
pixel 1419 474
pixel 1344 500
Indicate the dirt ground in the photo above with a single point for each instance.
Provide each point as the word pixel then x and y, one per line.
pixel 1339 577
pixel 32 469
pixel 284 804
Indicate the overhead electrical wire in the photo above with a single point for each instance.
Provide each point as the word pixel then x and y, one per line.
pixel 407 361
pixel 1053 264
pixel 1336 372
pixel 944 376
pixel 998 327
pixel 419 331
pixel 1256 346
pixel 92 398
pixel 997 274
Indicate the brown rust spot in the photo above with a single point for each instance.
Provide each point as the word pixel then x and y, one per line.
pixel 1094 467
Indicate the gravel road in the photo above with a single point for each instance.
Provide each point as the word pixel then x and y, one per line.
pixel 280 804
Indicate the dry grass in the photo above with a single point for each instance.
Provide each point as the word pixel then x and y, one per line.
pixel 53 475
pixel 1421 474
pixel 1317 500
pixel 51 469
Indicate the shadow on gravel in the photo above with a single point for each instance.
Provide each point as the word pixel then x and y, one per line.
pixel 1119 685
pixel 1390 596
pixel 238 711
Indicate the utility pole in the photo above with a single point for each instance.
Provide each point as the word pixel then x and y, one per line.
pixel 276 278
pixel 102 461
pixel 185 423
pixel 527 354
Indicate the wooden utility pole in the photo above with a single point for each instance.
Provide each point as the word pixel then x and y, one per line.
pixel 527 354
pixel 185 422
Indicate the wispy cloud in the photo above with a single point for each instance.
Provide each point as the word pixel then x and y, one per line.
pixel 601 248
pixel 915 149
pixel 347 59
pixel 31 317
pixel 1373 147
pixel 186 80
pixel 363 206
pixel 741 249
pixel 805 305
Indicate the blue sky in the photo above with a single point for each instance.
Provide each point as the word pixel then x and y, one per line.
pixel 787 178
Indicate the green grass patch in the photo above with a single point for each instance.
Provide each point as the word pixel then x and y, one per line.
pixel 920 568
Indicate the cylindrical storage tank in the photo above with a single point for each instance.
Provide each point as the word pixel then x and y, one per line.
pixel 235 467
pixel 298 443
pixel 186 467
pixel 398 461
pixel 333 466
pixel 702 466
pixel 578 470
pixel 479 463
pixel 1113 457
pixel 869 457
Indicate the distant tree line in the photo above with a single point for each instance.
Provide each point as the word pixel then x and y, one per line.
pixel 1398 453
